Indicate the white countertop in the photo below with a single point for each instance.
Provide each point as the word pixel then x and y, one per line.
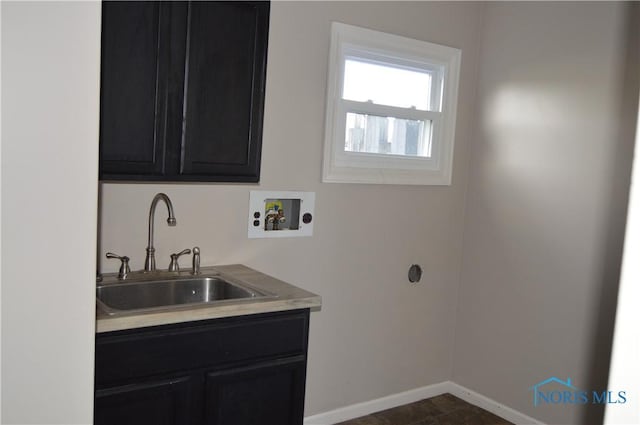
pixel 287 297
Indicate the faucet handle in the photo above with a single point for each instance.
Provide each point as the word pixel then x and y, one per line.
pixel 124 266
pixel 173 266
pixel 195 270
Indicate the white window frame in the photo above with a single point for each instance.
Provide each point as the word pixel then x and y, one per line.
pixel 340 166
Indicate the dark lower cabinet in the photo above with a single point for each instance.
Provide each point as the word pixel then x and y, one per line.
pixel 157 402
pixel 266 394
pixel 247 370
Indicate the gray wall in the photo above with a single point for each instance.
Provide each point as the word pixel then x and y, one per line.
pixel 50 101
pixel 376 335
pixel 546 203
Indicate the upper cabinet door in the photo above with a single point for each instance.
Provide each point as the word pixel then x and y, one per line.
pixel 183 90
pixel 131 98
pixel 225 70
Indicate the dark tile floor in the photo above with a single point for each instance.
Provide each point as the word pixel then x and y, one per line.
pixel 444 409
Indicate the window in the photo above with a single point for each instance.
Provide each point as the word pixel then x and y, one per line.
pixel 391 107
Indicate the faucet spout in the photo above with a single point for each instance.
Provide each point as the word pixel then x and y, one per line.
pixel 150 260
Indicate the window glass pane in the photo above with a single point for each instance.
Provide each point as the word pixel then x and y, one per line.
pixel 387 135
pixel 386 85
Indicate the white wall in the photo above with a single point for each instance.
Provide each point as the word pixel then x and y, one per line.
pixel 375 335
pixel 50 92
pixel 546 203
pixel 625 369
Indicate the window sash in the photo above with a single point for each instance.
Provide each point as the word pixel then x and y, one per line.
pixel 370 108
pixel 382 160
pixel 399 61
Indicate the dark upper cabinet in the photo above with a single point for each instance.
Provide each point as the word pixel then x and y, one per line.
pixel 182 90
pixel 131 130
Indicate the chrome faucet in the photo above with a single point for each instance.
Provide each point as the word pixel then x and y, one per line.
pixel 150 260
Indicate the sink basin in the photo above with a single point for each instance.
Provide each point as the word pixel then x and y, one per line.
pixel 168 294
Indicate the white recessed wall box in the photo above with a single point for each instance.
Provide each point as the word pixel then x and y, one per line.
pixel 280 214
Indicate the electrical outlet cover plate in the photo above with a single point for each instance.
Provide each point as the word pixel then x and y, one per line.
pixel 293 213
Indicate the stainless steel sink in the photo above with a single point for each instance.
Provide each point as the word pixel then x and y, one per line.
pixel 172 293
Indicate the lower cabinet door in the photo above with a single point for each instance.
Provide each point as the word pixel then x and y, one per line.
pixel 161 402
pixel 266 394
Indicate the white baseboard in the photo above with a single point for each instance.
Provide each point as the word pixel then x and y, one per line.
pixel 368 407
pixel 395 400
pixel 491 405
